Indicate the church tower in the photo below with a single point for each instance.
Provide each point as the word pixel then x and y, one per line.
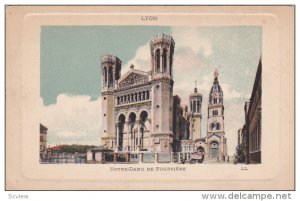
pixel 162 50
pixel 216 141
pixel 111 72
pixel 195 100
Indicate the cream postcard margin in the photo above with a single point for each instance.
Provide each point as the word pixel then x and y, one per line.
pixel 23 171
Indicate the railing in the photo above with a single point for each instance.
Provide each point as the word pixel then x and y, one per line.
pixel 144 157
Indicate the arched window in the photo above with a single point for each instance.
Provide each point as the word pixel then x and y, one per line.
pixel 117 73
pixel 212 126
pixel 194 106
pixel 218 126
pixel 191 106
pixel 110 80
pixel 147 95
pixel 105 76
pixel 157 60
pixel 198 106
pixel 132 118
pixel 118 100
pixel 135 97
pixel 164 60
pixel 215 100
pixel 171 58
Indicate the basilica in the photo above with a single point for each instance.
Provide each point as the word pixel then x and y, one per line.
pixel 140 113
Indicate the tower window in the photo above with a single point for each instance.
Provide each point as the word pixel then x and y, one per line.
pixel 215 100
pixel 111 80
pixel 215 112
pixel 218 126
pixel 157 60
pixel 164 60
pixel 105 75
pixel 198 106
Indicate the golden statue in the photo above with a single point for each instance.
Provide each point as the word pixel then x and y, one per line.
pixel 216 73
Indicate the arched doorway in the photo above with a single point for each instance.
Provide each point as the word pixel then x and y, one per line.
pixel 200 149
pixel 214 149
pixel 121 120
pixel 132 121
pixel 143 118
pixel 202 154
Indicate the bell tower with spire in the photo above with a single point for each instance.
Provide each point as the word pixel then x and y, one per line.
pixel 216 140
pixel 195 100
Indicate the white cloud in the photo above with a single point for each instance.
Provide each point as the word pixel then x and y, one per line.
pixel 141 60
pixel 190 48
pixel 229 93
pixel 189 37
pixel 73 119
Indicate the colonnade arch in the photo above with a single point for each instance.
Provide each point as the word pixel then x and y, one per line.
pixel 133 126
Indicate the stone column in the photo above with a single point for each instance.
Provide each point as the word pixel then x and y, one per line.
pixel 155 157
pixel 139 133
pixel 117 130
pixel 127 130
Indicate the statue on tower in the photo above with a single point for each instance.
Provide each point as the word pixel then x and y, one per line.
pixel 216 73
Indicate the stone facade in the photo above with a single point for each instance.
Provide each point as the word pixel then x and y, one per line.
pixel 141 114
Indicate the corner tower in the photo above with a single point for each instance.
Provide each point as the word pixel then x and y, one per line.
pixel 111 71
pixel 195 100
pixel 162 51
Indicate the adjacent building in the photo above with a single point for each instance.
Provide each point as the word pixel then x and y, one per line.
pixel 251 132
pixel 43 141
pixel 254 120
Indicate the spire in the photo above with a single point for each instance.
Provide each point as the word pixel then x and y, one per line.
pixel 195 90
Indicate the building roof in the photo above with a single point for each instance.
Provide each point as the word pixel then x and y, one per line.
pixel 56 148
pixel 216 87
pixel 43 129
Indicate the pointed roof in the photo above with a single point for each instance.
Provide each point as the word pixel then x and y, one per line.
pixel 216 87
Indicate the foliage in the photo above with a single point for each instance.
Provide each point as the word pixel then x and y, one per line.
pixel 75 148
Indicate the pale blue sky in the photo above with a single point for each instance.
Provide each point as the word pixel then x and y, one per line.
pixel 70 55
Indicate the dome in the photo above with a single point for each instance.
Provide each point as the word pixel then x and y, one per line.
pixel 195 94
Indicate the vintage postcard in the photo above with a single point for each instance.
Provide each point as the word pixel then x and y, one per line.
pixel 125 97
